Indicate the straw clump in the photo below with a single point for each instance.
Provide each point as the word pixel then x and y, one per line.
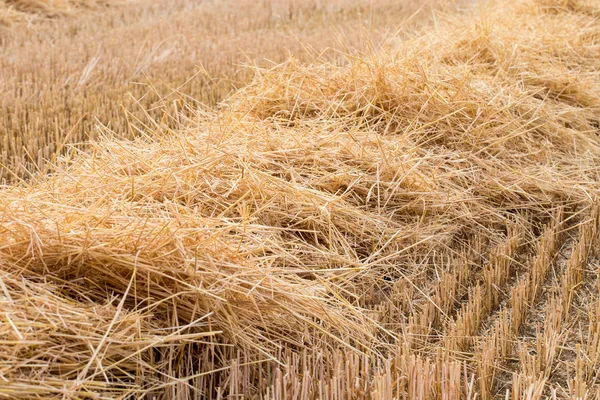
pixel 381 229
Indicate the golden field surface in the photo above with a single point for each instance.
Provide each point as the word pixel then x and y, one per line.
pixel 417 218
pixel 62 76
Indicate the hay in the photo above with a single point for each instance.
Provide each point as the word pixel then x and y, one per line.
pixel 375 230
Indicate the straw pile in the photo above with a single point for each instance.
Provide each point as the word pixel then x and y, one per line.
pixel 420 223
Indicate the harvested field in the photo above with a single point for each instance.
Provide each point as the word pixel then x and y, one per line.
pixel 419 222
pixel 19 11
pixel 114 61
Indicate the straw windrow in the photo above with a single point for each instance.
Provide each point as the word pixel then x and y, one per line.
pixel 66 67
pixel 382 229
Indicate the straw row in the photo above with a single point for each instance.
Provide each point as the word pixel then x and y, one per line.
pixel 401 226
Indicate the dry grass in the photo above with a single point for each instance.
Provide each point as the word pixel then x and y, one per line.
pixel 60 77
pixel 420 222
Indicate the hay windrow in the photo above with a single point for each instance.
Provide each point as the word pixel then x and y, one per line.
pixel 332 230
